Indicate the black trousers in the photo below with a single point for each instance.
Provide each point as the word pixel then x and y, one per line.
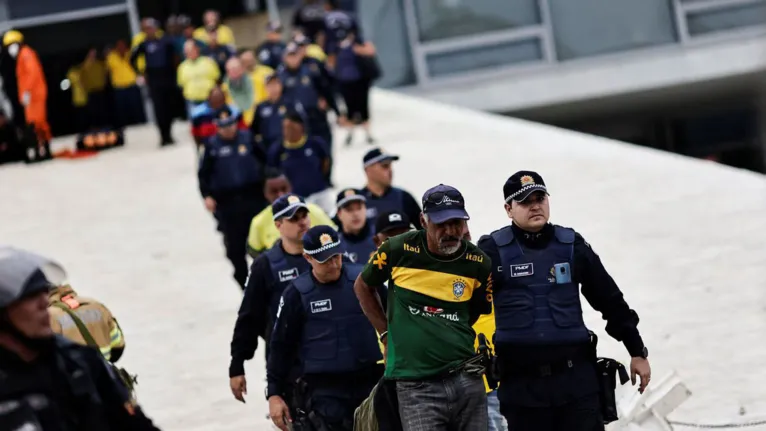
pixel 234 217
pixel 583 414
pixel 163 100
pixel 356 95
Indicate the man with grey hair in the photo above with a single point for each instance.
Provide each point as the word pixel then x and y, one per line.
pixel 239 85
pixel 438 286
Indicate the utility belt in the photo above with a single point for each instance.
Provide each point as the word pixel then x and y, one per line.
pixel 607 370
pixel 304 416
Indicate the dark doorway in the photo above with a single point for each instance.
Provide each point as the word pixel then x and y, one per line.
pixel 62 45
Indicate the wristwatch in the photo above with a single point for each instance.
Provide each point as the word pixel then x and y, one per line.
pixel 644 353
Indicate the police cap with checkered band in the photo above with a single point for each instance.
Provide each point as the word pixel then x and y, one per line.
pixel 521 185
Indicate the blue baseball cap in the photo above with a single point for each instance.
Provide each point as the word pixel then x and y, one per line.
pixel 322 243
pixel 347 196
pixel 376 155
pixel 226 117
pixel 443 203
pixel 286 206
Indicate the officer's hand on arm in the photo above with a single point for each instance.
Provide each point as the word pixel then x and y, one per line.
pixel 238 386
pixel 279 412
pixel 375 273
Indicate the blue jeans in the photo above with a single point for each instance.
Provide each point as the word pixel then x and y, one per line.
pixel 496 420
pixel 455 403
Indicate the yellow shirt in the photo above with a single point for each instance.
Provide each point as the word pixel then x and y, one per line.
pixel 224 33
pixel 316 51
pixel 120 71
pixel 198 77
pixel 79 95
pixel 93 76
pixel 259 82
pixel 485 325
pixel 263 232
pixel 137 39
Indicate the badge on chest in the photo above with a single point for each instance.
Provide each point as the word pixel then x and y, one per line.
pixel 288 274
pixel 522 270
pixel 321 306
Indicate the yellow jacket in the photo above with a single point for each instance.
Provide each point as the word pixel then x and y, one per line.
pixel 137 39
pixel 93 76
pixel 99 321
pixel 485 325
pixel 79 95
pixel 316 51
pixel 198 77
pixel 263 232
pixel 224 33
pixel 259 82
pixel 121 72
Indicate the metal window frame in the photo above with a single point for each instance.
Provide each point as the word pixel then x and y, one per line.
pixel 77 15
pixel 420 50
pixel 682 11
pixel 705 5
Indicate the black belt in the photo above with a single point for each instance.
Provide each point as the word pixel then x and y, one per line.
pixel 452 371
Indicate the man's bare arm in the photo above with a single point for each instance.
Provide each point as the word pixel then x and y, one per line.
pixel 371 305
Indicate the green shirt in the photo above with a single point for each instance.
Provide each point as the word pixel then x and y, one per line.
pixel 432 302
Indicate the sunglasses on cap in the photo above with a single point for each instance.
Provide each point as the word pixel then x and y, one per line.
pixel 438 198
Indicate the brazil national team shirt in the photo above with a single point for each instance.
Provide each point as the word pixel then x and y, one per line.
pixel 430 303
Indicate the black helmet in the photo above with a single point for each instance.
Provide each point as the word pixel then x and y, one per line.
pixel 23 273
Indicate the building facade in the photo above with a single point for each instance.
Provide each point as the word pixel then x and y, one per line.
pixel 663 73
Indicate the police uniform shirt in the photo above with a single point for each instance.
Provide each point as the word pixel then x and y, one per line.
pixel 303 164
pixel 270 53
pixel 310 19
pixel 393 199
pixel 267 122
pixel 338 25
pixel 257 308
pixel 244 160
pixel 304 86
pixel 360 246
pixel 160 60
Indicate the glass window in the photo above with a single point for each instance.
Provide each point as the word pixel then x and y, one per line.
pixel 441 19
pixel 731 17
pixel 29 8
pixel 584 28
pixel 384 23
pixel 484 57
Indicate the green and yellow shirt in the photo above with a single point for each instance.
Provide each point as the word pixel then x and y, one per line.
pixel 432 303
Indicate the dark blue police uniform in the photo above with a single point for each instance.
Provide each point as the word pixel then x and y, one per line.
pixel 231 171
pixel 302 163
pixel 548 378
pixel 359 245
pixel 161 80
pixel 394 198
pixel 338 26
pixel 270 53
pixel 267 121
pixel 323 324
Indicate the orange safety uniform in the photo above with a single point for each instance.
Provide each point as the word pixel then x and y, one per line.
pixel 30 77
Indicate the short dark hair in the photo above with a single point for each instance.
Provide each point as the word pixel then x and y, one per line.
pixel 294 117
pixel 272 173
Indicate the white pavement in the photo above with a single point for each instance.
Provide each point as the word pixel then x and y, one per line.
pixel 685 239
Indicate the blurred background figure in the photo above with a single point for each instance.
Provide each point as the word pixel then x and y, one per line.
pixel 309 19
pixel 11 149
pixel 212 24
pixel 271 50
pixel 159 75
pixel 93 78
pixel 219 52
pixel 354 83
pixel 258 74
pixel 79 98
pixel 128 103
pixel 197 76
pixel 239 88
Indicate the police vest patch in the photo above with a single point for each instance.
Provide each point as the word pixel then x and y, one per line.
pixel 321 306
pixel 522 270
pixel 288 274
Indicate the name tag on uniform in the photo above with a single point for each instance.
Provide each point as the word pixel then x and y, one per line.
pixel 522 270
pixel 288 274
pixel 321 306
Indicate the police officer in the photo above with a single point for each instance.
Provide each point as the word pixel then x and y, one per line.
pixel 356 230
pixel 94 324
pixel 160 75
pixel 271 50
pixel 269 114
pixel 320 321
pixel 46 381
pixel 304 86
pixel 270 273
pixel 547 361
pixel 338 25
pixel 309 18
pixel 231 182
pixel 381 195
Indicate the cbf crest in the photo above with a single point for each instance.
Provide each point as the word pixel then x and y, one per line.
pixel 458 288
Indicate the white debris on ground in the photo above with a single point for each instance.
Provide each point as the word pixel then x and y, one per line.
pixel 683 238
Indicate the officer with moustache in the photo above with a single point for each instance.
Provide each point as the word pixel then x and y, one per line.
pixel 548 379
pixel 355 230
pixel 321 322
pixel 270 274
pixel 231 175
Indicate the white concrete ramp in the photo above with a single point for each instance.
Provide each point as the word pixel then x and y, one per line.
pixel 685 239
